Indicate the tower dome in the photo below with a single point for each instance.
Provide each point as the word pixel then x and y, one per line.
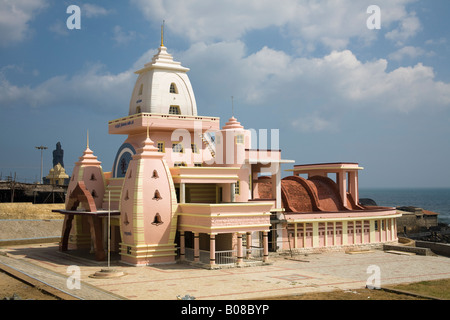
pixel 163 87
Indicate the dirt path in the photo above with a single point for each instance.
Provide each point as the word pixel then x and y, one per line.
pixel 10 286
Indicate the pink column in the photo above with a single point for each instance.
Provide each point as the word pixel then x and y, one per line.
pixel 342 183
pixel 182 246
pixel 212 249
pixel 239 249
pixel 196 247
pixel 353 185
pixel 266 246
pixel 249 242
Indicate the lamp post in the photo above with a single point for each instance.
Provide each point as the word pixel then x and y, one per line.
pixel 42 148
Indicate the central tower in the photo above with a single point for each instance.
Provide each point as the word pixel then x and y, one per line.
pixel 163 87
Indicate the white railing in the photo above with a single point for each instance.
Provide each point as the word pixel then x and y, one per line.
pixel 226 256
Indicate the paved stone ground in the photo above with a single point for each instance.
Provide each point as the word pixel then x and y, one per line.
pixel 312 273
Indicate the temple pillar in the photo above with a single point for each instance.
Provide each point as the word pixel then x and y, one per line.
pixel 344 233
pixel 196 246
pixel 212 249
pixel 96 236
pixel 182 193
pixel 182 246
pixel 353 185
pixel 315 239
pixel 67 225
pixel 276 187
pixel 233 192
pixel 240 258
pixel 248 254
pixel 342 183
pixel 265 246
pixel 295 236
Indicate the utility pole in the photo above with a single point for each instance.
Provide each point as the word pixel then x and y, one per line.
pixel 42 148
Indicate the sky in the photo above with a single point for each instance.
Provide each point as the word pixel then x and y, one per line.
pixel 337 90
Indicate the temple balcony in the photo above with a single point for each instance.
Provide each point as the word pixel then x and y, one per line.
pixel 138 123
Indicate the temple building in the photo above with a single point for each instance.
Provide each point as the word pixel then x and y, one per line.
pixel 57 175
pixel 183 187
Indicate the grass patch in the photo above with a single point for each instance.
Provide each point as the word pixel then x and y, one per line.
pixel 436 288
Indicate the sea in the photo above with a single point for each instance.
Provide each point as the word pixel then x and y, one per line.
pixel 432 199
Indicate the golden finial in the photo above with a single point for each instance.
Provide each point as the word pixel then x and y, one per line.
pixel 232 106
pixel 87 140
pixel 162 34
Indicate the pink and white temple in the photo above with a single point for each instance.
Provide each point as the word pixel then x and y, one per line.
pixel 184 188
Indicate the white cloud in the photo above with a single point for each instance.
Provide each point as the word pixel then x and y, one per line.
pixel 330 84
pixel 60 28
pixel 312 123
pixel 332 23
pixel 122 37
pixel 409 26
pixel 15 16
pixel 409 52
pixel 92 88
pixel 92 10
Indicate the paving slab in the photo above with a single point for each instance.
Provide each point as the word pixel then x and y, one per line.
pixel 284 276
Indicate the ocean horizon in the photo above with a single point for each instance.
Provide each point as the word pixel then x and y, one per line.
pixel 432 199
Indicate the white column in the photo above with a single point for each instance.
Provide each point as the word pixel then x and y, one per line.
pixel 334 233
pixel 315 239
pixel 182 193
pixel 295 235
pixel 232 192
pixel 266 246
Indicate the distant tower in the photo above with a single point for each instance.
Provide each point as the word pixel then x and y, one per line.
pixel 58 155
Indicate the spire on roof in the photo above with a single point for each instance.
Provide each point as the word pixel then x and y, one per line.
pixel 162 34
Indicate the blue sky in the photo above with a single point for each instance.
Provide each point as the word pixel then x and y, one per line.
pixel 336 90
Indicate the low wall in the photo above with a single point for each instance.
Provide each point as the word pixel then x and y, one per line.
pixel 28 210
pixel 416 250
pixel 442 249
pixel 344 248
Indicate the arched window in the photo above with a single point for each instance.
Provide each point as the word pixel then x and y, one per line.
pixel 126 195
pixel 174 110
pixel 155 174
pixel 93 177
pixel 94 194
pixel 141 89
pixel 173 88
pixel 138 109
pixel 125 220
